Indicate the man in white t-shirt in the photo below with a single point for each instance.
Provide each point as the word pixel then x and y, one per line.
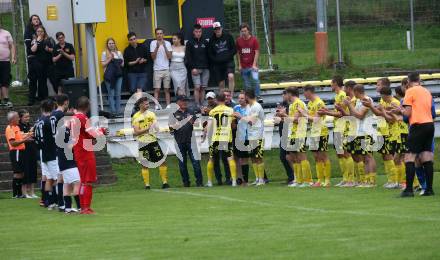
pixel 161 53
pixel 7 56
pixel 255 133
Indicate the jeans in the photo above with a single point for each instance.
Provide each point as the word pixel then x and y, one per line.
pixel 251 80
pixel 185 148
pixel 286 164
pixel 114 95
pixel 137 81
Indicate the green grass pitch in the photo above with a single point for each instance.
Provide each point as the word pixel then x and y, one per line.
pixel 271 222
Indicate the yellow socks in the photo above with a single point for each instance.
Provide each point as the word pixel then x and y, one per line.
pixel 163 171
pixel 372 178
pixel 256 171
pixel 261 170
pixel 210 170
pixel 146 176
pixel 390 170
pixel 401 175
pixel 320 168
pixel 233 169
pixel 327 171
pixel 298 173
pixel 342 166
pixel 306 171
pixel 349 164
pixel 360 169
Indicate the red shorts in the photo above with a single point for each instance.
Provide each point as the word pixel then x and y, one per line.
pixel 87 170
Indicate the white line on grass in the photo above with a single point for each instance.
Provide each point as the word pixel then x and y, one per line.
pixel 299 208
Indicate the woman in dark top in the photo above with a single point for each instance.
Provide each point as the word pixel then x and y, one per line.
pixel 63 57
pixel 29 35
pixel 39 59
pixel 30 157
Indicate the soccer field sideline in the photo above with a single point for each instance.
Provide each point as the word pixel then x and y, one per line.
pixel 224 222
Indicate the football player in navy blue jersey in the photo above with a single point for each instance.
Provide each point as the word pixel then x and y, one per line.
pixel 46 143
pixel 69 179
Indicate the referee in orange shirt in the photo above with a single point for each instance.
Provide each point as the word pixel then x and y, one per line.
pixel 417 107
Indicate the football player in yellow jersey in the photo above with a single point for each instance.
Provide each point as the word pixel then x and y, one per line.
pixel 219 126
pixel 359 167
pixel 346 163
pixel 318 137
pixel 150 153
pixel 297 154
pixel 401 148
pixel 361 151
pixel 389 129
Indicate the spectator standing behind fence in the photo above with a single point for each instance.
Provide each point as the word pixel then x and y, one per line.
pixel 181 125
pixel 113 61
pixel 29 36
pixel 197 61
pixel 248 51
pixel 178 71
pixel 63 57
pixel 135 58
pixel 221 53
pixel 7 56
pixel 29 158
pixel 161 53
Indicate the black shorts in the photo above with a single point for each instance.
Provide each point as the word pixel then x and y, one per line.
pixel 420 138
pixel 388 146
pixel 299 145
pixel 242 154
pixel 402 147
pixel 63 74
pixel 216 147
pixel 221 71
pixel 17 160
pixel 257 149
pixel 318 144
pixel 356 148
pixel 5 73
pixel 151 152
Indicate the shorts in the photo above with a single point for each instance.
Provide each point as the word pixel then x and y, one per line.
pixel 257 147
pixel 50 169
pixel 301 145
pixel 226 148
pixel 87 170
pixel 63 74
pixel 402 147
pixel 17 160
pixel 242 154
pixel 71 175
pixel 5 74
pixel 420 138
pixel 137 81
pixel 221 71
pixel 162 76
pixel 388 146
pixel 318 144
pixel 151 152
pixel 202 79
pixel 355 147
pixel 341 145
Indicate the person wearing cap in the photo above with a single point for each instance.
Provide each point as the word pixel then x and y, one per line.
pixel 221 54
pixel 181 126
pixel 210 103
pixel 198 63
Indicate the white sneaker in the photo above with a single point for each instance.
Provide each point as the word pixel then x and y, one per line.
pixel 74 210
pixel 304 185
pixel 34 196
pixel 51 206
pixel 234 183
pixel 394 186
pixel 260 183
pixel 255 182
pixel 28 196
pixel 209 184
pixel 340 184
pixel 157 107
pixel 293 185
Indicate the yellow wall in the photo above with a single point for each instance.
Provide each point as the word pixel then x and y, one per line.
pixel 115 27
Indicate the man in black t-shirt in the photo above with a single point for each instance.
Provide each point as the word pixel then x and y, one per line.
pixel 63 57
pixel 136 57
pixel 69 174
pixel 47 147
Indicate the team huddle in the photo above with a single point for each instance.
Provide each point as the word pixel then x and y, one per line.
pixel 400 128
